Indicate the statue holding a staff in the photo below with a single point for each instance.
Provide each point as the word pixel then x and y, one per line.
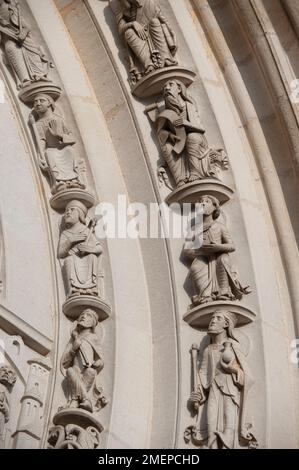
pixel 221 382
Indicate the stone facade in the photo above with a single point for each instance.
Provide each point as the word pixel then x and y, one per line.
pixel 170 101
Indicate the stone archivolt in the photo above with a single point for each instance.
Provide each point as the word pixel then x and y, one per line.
pixel 192 171
pixel 79 251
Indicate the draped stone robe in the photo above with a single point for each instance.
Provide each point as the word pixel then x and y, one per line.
pixel 58 142
pixel 212 274
pixel 25 57
pixel 82 365
pixel 224 413
pixel 157 49
pixel 80 271
pixel 191 156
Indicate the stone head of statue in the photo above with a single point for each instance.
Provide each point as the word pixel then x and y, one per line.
pixel 42 102
pixel 88 319
pixel 222 320
pixel 210 205
pixel 75 212
pixel 7 376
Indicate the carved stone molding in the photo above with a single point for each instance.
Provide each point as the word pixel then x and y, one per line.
pixel 221 383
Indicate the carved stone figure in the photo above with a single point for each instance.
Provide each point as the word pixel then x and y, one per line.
pixel 211 270
pixel 55 144
pixel 82 361
pixel 73 436
pixel 79 250
pixel 221 385
pixel 150 40
pixel 7 381
pixel 184 146
pixel 25 57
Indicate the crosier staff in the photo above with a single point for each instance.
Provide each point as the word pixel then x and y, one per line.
pixel 197 396
pixel 43 163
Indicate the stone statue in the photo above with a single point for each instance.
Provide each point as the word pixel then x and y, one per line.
pixel 24 56
pixel 54 144
pixel 7 381
pixel 221 385
pixel 184 146
pixel 82 361
pixel 80 250
pixel 211 269
pixel 73 436
pixel 150 40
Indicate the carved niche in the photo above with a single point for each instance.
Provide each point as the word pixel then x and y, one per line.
pixel 221 385
pixel 151 45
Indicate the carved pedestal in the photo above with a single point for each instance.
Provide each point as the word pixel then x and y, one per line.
pixel 62 198
pixel 29 92
pixel 74 306
pixel 74 429
pixel 153 83
pixel 192 192
pixel 199 317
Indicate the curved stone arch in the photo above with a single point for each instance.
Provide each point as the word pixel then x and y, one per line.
pixel 159 287
pixel 145 279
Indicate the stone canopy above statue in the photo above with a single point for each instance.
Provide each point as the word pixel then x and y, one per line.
pixel 151 46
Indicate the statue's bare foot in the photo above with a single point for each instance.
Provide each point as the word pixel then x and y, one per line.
pixel 86 405
pixel 205 300
pixel 181 183
pixel 73 404
pixel 169 62
pixel 193 178
pixel 224 297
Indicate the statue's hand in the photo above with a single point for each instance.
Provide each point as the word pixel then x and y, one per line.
pixel 87 249
pixel 43 164
pixel 139 30
pixel 31 119
pixel 22 35
pixel 77 344
pixel 196 399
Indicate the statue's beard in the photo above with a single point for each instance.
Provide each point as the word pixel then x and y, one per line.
pixel 173 103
